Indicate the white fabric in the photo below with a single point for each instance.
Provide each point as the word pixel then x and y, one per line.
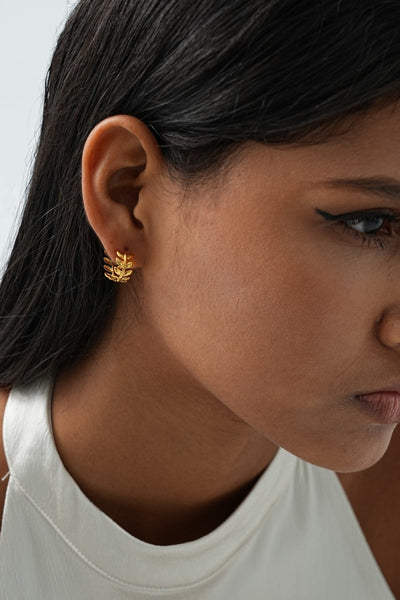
pixel 294 537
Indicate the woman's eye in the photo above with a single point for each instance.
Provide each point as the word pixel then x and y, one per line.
pixel 371 228
pixel 371 224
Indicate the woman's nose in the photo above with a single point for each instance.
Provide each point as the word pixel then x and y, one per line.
pixel 389 328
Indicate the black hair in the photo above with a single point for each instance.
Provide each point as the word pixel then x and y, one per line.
pixel 205 77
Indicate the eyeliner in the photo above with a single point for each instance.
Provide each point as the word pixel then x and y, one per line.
pixel 357 215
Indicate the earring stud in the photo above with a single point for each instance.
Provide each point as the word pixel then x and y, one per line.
pixel 122 270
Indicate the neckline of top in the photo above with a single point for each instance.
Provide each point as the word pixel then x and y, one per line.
pixel 37 468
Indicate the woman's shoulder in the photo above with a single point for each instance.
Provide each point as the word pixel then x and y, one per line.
pixel 3 462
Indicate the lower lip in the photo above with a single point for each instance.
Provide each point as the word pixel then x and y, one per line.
pixel 383 407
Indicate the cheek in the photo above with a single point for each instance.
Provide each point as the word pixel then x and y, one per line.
pixel 278 336
pixel 251 324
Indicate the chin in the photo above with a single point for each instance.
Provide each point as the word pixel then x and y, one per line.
pixel 351 455
pixel 365 454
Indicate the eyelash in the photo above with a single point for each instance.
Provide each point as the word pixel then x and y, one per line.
pixel 371 239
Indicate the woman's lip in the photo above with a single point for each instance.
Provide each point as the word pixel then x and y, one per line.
pixel 383 406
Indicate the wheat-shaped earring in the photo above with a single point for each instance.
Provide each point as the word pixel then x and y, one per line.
pixel 122 270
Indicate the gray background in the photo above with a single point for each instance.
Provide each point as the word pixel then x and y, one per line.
pixel 28 32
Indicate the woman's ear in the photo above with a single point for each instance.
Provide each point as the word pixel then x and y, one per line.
pixel 120 160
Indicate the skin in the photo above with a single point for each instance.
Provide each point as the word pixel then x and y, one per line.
pixel 260 321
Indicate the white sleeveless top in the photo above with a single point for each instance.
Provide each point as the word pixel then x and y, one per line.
pixel 294 537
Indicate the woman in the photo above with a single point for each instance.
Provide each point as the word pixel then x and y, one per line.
pixel 216 417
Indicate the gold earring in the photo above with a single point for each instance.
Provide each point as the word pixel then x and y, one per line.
pixel 120 272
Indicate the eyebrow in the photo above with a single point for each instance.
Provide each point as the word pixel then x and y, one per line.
pixel 387 188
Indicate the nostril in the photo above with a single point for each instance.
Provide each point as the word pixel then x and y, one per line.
pixel 388 328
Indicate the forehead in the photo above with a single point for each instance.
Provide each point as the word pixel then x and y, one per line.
pixel 370 144
pixel 293 176
pixel 367 146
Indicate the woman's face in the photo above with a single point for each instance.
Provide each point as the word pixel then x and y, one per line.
pixel 280 312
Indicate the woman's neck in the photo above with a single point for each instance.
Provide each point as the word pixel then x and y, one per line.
pixel 149 446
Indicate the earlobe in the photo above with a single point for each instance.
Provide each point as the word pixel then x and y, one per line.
pixel 118 161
